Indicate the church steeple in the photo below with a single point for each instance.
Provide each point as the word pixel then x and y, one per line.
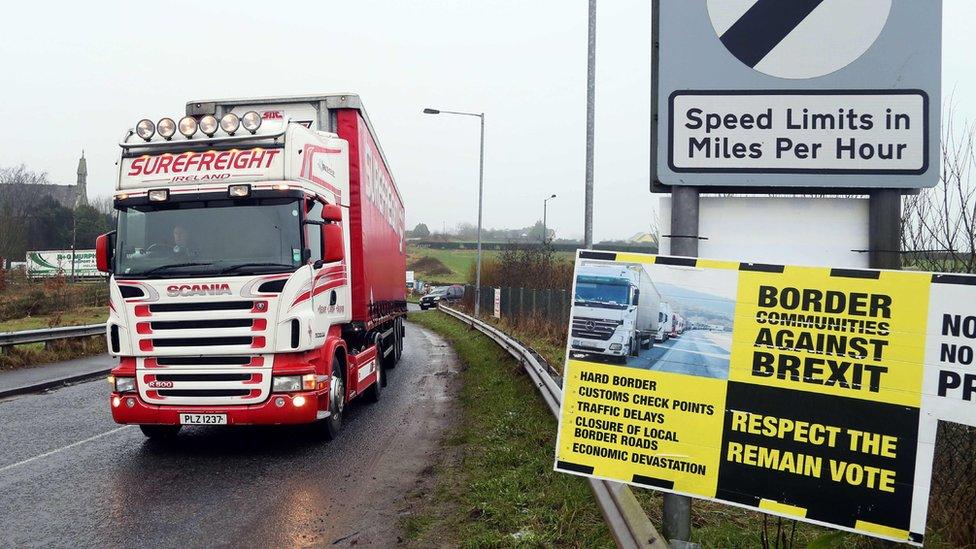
pixel 81 187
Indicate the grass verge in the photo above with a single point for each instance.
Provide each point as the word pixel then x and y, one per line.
pixel 75 317
pixel 494 484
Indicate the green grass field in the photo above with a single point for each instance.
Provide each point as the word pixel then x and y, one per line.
pixel 458 261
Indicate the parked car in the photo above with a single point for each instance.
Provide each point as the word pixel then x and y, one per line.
pixel 447 294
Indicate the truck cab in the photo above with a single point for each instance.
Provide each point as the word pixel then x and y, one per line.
pixel 611 311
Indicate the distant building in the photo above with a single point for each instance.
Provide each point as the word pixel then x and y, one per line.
pixel 69 196
pixel 81 184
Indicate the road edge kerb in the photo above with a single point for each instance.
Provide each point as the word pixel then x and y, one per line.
pixel 51 383
pixel 627 521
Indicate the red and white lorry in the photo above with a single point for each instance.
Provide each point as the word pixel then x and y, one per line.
pixel 258 266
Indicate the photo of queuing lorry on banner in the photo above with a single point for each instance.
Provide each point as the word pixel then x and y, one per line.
pixel 812 393
pixel 615 311
pixel 622 313
pixel 258 271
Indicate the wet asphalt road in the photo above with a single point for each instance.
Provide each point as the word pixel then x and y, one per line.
pixel 695 352
pixel 70 476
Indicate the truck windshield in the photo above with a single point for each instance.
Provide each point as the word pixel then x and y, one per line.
pixel 204 238
pixel 602 294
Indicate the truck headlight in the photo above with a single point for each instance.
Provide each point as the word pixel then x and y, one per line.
pixel 616 346
pixel 290 384
pixel 286 384
pixel 125 384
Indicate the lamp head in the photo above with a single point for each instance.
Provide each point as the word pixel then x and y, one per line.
pixel 431 111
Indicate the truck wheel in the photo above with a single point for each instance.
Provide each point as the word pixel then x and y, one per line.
pixel 398 350
pixel 374 391
pixel 389 360
pixel 647 344
pixel 329 427
pixel 633 349
pixel 160 432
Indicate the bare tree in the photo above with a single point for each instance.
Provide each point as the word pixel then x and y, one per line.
pixel 939 224
pixel 103 205
pixel 14 200
pixel 23 175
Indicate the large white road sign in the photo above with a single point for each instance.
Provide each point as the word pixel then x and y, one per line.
pixel 828 94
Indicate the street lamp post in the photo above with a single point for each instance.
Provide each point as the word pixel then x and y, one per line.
pixel 545 227
pixel 481 186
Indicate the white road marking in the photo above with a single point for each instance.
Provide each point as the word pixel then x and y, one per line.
pixel 61 449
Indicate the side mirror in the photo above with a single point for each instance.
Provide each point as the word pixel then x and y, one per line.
pixel 103 252
pixel 636 297
pixel 333 248
pixel 332 212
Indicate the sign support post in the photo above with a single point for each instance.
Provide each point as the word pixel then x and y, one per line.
pixel 684 242
pixel 884 229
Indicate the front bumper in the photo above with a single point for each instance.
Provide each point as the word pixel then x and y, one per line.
pixel 598 346
pixel 265 413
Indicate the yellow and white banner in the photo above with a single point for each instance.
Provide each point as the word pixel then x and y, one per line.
pixel 806 392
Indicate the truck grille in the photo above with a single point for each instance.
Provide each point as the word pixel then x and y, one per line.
pixel 204 353
pixel 212 306
pixel 594 328
pixel 204 380
pixel 240 327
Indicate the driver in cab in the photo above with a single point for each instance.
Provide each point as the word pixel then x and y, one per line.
pixel 181 242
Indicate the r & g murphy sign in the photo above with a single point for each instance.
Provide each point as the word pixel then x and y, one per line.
pixel 797 93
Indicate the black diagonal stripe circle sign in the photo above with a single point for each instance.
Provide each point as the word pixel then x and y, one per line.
pixel 764 26
pixel 798 38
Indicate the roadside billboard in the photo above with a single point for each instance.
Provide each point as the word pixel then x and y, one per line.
pixel 806 392
pixel 42 264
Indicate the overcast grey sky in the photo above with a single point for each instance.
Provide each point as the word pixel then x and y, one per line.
pixel 76 75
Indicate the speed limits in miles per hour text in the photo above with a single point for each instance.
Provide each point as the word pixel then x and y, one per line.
pixel 799 132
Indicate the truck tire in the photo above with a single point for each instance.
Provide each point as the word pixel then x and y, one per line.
pixel 329 427
pixel 398 350
pixel 389 360
pixel 648 343
pixel 160 432
pixel 633 348
pixel 376 389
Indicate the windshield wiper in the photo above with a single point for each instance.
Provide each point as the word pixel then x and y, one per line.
pixel 174 266
pixel 233 268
